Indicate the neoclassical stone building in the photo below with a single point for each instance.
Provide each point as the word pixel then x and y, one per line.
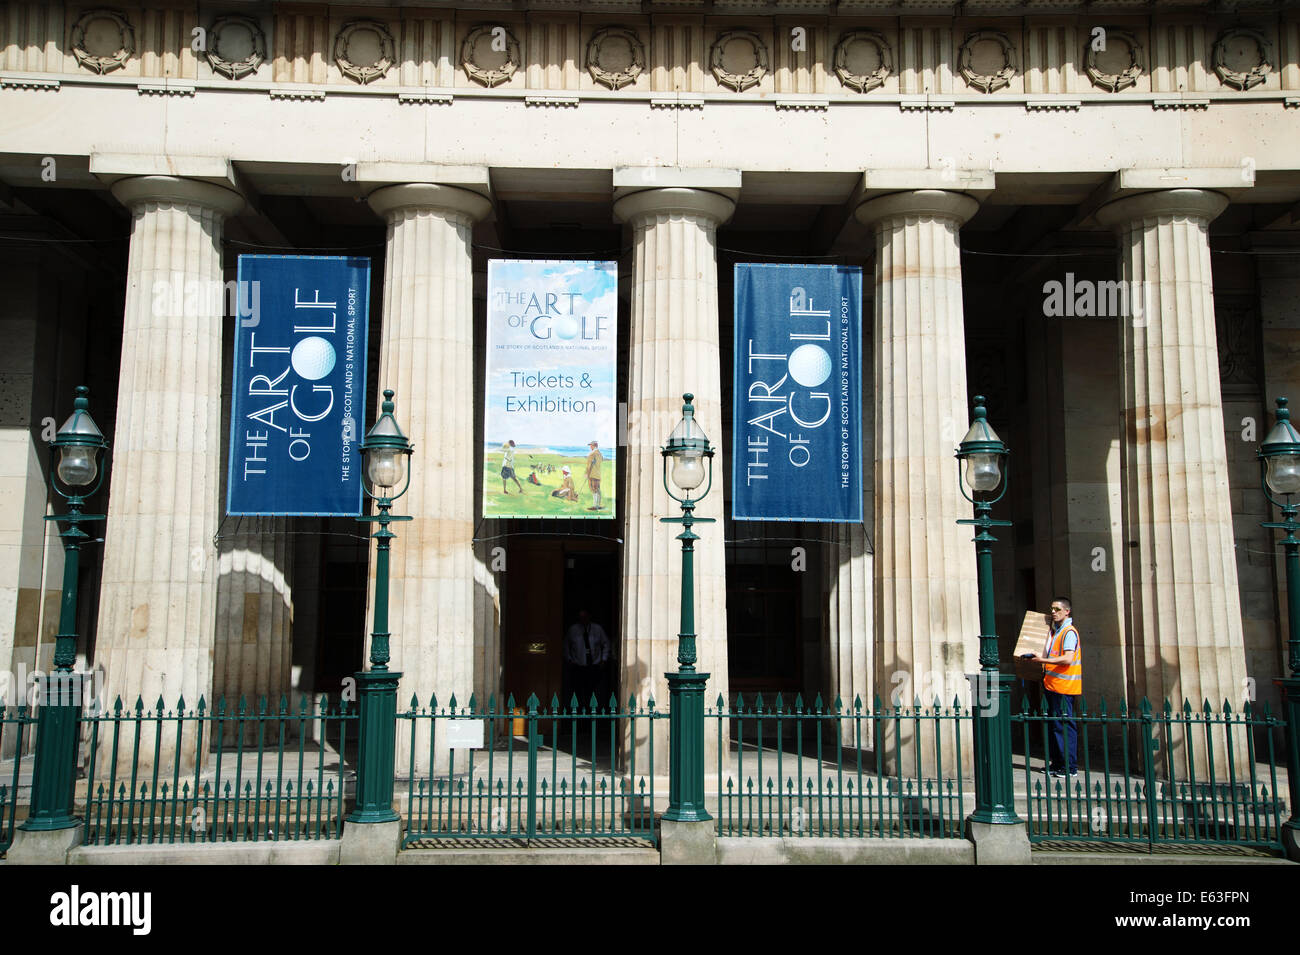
pixel 996 168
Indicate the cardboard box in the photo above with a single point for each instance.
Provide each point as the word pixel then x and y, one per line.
pixel 1033 639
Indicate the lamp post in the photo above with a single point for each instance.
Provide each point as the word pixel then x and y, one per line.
pixel 1279 469
pixel 75 476
pixel 386 451
pixel 983 454
pixel 687 448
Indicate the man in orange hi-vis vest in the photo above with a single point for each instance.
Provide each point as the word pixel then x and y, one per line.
pixel 1062 685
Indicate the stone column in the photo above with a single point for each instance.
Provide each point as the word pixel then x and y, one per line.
pixel 1183 616
pixel 254 614
pixel 926 605
pixel 158 595
pixel 848 573
pixel 673 349
pixel 252 651
pixel 427 356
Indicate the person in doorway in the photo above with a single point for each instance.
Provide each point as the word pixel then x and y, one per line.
pixel 566 490
pixel 508 467
pixel 586 651
pixel 1062 686
pixel 595 461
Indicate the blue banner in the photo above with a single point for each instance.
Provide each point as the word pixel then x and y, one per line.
pixel 299 385
pixel 797 423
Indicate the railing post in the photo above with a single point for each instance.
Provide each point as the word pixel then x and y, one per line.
pixel 533 740
pixel 377 747
pixel 1149 747
pixel 1291 703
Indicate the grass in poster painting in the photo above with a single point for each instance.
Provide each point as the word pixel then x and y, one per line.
pixel 536 499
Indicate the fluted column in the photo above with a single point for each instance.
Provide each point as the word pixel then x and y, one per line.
pixel 673 349
pixel 849 624
pixel 1180 572
pixel 427 356
pixel 158 593
pixel 254 613
pixel 926 605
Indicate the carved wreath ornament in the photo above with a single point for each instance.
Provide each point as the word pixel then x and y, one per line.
pixel 104 62
pixel 1242 79
pixel 615 57
pixel 848 66
pixel 1114 82
pixel 361 71
pixel 243 66
pixel 718 60
pixel 498 39
pixel 988 82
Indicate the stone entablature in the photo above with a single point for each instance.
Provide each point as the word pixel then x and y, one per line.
pixel 746 55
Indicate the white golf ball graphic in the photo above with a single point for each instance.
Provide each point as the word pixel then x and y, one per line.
pixel 566 327
pixel 313 358
pixel 809 365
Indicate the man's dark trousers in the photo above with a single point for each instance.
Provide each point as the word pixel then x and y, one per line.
pixel 1065 734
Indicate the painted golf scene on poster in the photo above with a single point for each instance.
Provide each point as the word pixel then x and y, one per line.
pixel 551 406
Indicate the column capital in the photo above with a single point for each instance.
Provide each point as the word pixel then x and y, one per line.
pixel 675 200
pixel 928 203
pixel 435 197
pixel 174 190
pixel 1181 203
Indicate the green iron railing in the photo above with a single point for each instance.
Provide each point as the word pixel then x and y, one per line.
pixel 1153 777
pixel 857 772
pixel 540 773
pixel 16 725
pixel 166 776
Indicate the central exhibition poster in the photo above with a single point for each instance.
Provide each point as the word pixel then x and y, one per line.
pixel 551 405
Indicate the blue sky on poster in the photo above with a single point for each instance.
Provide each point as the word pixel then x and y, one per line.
pixel 552 348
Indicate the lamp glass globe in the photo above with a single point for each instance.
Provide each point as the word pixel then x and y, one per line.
pixel 77 465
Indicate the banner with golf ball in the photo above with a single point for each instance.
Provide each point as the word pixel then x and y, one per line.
pixel 797 424
pixel 551 404
pixel 299 386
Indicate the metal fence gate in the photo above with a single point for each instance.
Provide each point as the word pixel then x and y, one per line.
pixel 505 772
pixel 1157 777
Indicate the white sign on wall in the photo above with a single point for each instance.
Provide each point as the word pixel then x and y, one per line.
pixel 465 734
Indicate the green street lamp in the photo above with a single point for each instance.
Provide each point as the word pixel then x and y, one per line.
pixel 981 460
pixel 687 448
pixel 387 452
pixel 1279 471
pixel 76 475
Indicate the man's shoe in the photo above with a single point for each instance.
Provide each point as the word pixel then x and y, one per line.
pixel 1074 772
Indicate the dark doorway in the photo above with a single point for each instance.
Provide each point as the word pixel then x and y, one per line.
pixel 549 581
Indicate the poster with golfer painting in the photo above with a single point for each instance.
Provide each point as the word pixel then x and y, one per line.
pixel 797 416
pixel 551 406
pixel 299 383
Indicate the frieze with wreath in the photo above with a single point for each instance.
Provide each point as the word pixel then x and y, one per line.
pixel 1243 79
pixel 738 81
pixel 103 63
pixel 988 82
pixel 499 36
pixel 243 66
pixel 863 82
pixel 1125 78
pixel 364 72
pixel 607 50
